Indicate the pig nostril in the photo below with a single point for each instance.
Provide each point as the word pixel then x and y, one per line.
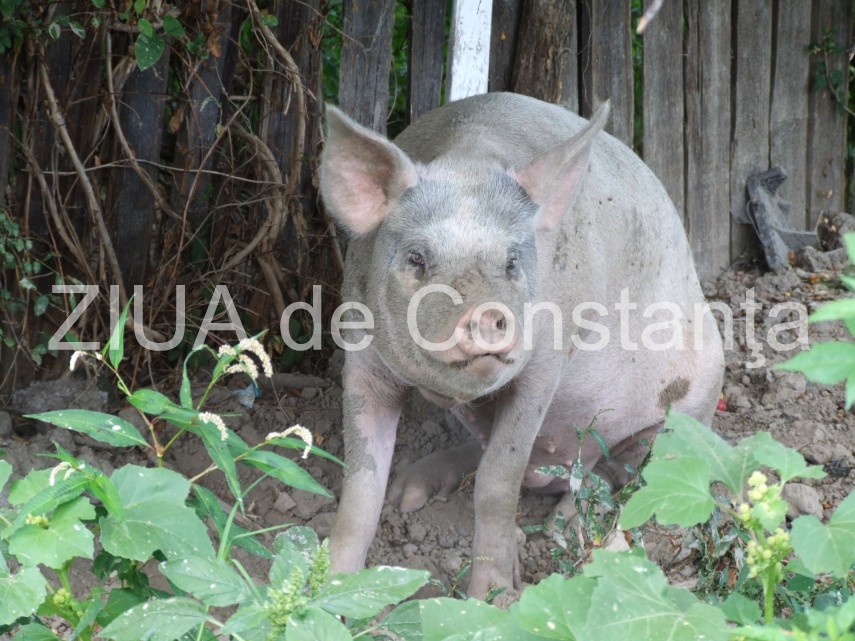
pixel 501 324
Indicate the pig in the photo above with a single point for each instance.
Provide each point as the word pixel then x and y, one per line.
pixel 527 271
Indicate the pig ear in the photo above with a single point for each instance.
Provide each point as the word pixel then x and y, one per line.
pixel 361 174
pixel 552 180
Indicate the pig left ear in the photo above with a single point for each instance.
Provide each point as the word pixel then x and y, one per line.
pixel 361 173
pixel 552 180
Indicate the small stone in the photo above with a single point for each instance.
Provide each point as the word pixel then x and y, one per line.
pixel 307 504
pixel 283 502
pixel 451 563
pixel 803 499
pixel 417 531
pixel 322 523
pixel 309 393
pixel 410 550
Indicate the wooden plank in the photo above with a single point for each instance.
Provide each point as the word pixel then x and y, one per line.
pixel 832 19
pixel 427 41
pixel 611 64
pixel 707 73
pixel 662 101
pixel 503 43
pixel 366 59
pixel 546 64
pixel 788 119
pixel 751 86
pixel 469 49
pixel 130 203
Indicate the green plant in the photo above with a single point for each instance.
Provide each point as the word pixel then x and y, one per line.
pixel 137 515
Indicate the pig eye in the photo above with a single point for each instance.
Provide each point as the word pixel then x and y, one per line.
pixel 417 260
pixel 511 266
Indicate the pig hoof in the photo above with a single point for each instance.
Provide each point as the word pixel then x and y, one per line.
pixel 433 477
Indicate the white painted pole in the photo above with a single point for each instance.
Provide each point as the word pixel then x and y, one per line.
pixel 469 49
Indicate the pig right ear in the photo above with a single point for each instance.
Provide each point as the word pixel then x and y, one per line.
pixel 552 180
pixel 361 173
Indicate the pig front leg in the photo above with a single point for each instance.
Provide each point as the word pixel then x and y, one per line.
pixel 495 558
pixel 371 409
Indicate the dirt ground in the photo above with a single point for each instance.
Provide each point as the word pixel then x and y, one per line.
pixel 802 415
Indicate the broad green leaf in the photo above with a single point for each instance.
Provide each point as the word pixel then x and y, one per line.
pixel 155 518
pixel 295 549
pixel 405 621
pixel 789 463
pixel 686 437
pixel 35 632
pixel 249 622
pixel 826 363
pixel 171 27
pixel 211 580
pixel 146 28
pixel 556 608
pixel 835 310
pixel 632 600
pixel 77 29
pixel 64 538
pixel 102 427
pixel 21 594
pixel 677 492
pixel 445 618
pixel 157 620
pixel 5 473
pixel 284 470
pixel 365 593
pixel 150 401
pixel 740 609
pixel 33 484
pixel 313 624
pixel 827 548
pixel 48 500
pixel 757 633
pixel 120 600
pixel 222 457
pixel 207 505
pixel 148 50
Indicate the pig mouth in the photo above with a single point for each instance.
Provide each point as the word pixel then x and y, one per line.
pixel 466 362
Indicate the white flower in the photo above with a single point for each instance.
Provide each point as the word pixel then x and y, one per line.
pixel 217 420
pixel 73 362
pixel 225 350
pixel 246 366
pixel 69 470
pixel 252 345
pixel 302 433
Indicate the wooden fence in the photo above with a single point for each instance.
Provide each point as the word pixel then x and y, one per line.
pixel 728 88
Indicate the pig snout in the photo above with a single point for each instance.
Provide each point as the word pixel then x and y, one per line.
pixel 490 333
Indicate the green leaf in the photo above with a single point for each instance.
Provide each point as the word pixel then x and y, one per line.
pixel 827 548
pixel 249 622
pixel 116 345
pixel 35 632
pixel 740 609
pixel 102 427
pixel 211 580
pixel 677 491
pixel 64 538
pixel 313 624
pixel 150 401
pixel 157 620
pixel 827 363
pixel 835 310
pixel 99 4
pixel 171 27
pixel 365 593
pixel 139 5
pixel 208 506
pixel 222 457
pixel 284 469
pixel 146 28
pixel 148 50
pixel 404 622
pixel 54 30
pixel 46 501
pixel 77 29
pixel 685 437
pixel 556 608
pixel 632 600
pixel 155 517
pixel 451 618
pixel 295 549
pixel 787 461
pixel 21 594
pixel 849 242
pixel 41 305
pixel 120 600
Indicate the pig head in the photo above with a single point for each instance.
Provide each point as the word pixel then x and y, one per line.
pixel 486 243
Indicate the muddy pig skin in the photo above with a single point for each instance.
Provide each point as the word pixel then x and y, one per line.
pixel 525 270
